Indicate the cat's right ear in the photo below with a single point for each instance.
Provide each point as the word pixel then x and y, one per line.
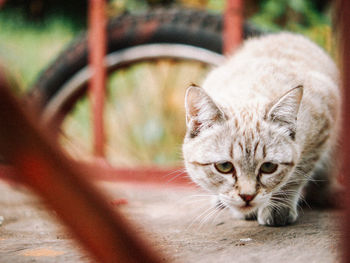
pixel 285 110
pixel 201 111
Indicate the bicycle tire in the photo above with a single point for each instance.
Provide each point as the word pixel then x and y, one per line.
pixel 196 28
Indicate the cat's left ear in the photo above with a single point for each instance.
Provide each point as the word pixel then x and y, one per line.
pixel 285 110
pixel 201 111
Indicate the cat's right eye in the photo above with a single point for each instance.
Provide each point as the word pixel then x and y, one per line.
pixel 224 167
pixel 268 168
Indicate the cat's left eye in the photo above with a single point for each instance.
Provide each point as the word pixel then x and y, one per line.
pixel 268 168
pixel 225 167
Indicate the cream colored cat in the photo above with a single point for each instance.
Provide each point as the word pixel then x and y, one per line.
pixel 263 125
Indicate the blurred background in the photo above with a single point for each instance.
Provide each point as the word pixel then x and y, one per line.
pixel 143 128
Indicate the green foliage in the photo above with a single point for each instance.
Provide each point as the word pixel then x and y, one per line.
pixel 294 15
pixel 118 6
pixel 216 5
pixel 299 16
pixel 28 47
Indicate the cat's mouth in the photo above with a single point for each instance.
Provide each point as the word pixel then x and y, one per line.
pixel 246 208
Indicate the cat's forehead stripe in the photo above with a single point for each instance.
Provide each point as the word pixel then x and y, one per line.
pixel 258 126
pixel 240 145
pixel 264 151
pixel 236 123
pixel 255 148
pixel 231 151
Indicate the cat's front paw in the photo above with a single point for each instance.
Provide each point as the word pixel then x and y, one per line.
pixel 251 216
pixel 277 216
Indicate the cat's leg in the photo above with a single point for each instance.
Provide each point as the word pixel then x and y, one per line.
pixel 282 209
pixel 216 202
pixel 252 216
pixel 324 189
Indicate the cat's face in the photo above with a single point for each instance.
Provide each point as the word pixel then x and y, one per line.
pixel 243 156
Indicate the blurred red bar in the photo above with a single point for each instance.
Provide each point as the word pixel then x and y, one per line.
pixel 164 177
pixel 97 50
pixel 40 164
pixel 2 2
pixel 233 26
pixel 344 36
pixel 7 173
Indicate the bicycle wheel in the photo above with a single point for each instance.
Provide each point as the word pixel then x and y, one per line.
pixel 150 56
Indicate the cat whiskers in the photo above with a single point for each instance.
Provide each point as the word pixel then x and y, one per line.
pixel 305 179
pixel 205 198
pixel 222 209
pixel 205 219
pixel 176 174
pixel 289 192
pixel 277 205
pixel 278 202
pixel 200 215
pixel 195 198
pixel 207 214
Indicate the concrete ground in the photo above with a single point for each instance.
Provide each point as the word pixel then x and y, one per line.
pixel 175 222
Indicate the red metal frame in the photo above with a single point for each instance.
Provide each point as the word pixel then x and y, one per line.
pixel 97 51
pixel 40 164
pixel 140 175
pixel 233 26
pixel 343 9
pixel 232 37
pixel 2 2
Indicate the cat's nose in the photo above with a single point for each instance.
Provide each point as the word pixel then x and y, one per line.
pixel 247 198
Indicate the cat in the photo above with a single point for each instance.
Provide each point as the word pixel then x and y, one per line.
pixel 263 125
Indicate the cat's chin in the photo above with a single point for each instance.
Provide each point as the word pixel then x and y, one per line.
pixel 241 212
pixel 246 209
